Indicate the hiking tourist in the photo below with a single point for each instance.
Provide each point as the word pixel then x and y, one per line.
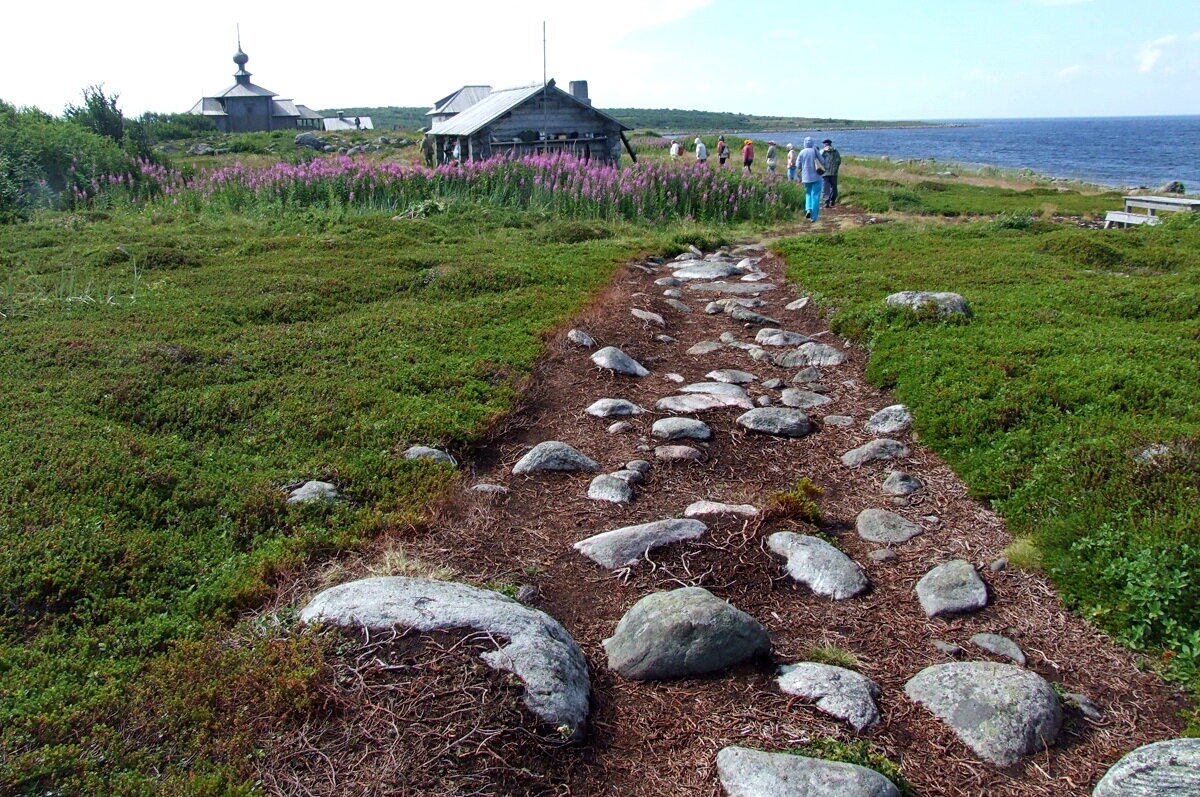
pixel 811 168
pixel 747 156
pixel 833 160
pixel 772 157
pixel 676 150
pixel 701 152
pixel 722 150
pixel 791 162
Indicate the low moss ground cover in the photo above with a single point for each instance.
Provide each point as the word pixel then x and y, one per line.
pixel 1082 352
pixel 165 374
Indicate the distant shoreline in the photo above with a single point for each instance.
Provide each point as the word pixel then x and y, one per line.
pixel 790 129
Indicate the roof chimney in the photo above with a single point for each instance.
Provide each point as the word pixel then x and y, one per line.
pixel 579 91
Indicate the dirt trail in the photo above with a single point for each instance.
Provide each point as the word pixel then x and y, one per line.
pixel 660 738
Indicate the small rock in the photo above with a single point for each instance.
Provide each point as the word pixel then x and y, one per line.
pixel 527 594
pixel 629 476
pixel 772 384
pixel 619 362
pixel 882 555
pixel 769 336
pixel 1085 705
pixel 951 588
pixel 839 692
pixel 947 648
pixel 1001 646
pixel 763 401
pixel 313 491
pixel 707 271
pixel 683 632
pixel 610 488
pixel 640 465
pixel 626 546
pixel 944 302
pixel 883 448
pixel 748 316
pixel 670 282
pixel 890 420
pixel 680 428
pixel 677 454
pixel 731 376
pixel 607 408
pixel 581 338
pixel 810 354
pixel 554 455
pixel 900 483
pixel 621 427
pixel 425 452
pixel 673 293
pixel 700 402
pixel 998 565
pixel 838 420
pixel 713 308
pixel 753 773
pixel 1162 769
pixel 673 377
pixel 648 317
pixel 819 566
pixel 799 304
pixel 666 339
pixel 711 509
pixel 794 397
pixel 735 288
pixel 492 489
pixel 809 374
pixel 705 347
pixel 880 525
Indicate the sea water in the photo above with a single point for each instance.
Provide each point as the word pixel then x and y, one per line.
pixel 1118 151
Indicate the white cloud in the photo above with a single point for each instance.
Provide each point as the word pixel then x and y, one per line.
pixel 1152 52
pixel 1069 72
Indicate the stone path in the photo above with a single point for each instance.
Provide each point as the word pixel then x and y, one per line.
pixel 634 496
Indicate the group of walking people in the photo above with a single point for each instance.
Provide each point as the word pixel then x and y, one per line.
pixel 816 169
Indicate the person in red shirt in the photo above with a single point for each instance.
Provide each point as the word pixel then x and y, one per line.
pixel 747 156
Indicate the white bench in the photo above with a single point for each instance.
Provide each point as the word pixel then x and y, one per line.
pixel 1123 218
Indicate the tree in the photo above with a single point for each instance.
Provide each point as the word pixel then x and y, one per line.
pixel 98 113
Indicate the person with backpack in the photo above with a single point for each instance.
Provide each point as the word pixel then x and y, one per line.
pixel 833 161
pixel 811 169
pixel 722 151
pixel 701 152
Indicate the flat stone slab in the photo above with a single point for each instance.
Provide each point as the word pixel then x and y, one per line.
pixel 629 476
pixel 711 509
pixel 701 402
pixel 951 588
pixel 819 566
pixel 880 525
pixel 705 347
pixel 753 773
pixel 648 317
pixel 425 452
pixel 1001 646
pixel 1001 711
pixel 748 316
pixel 944 302
pixel 626 546
pixel 683 632
pixel 681 428
pixel 795 397
pixel 1162 769
pixel 707 271
pixel 581 338
pixel 312 491
pixel 609 488
pixel 777 421
pixel 677 305
pixel 768 336
pixel 734 288
pixel 798 304
pixel 539 650
pixel 731 376
pixel 677 454
pixel 555 455
pixel 838 420
pixel 716 388
pixel 608 408
pixel 617 361
pixel 810 354
pixel 890 420
pixel 839 692
pixel 883 448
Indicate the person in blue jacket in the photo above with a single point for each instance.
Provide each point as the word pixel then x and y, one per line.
pixel 811 169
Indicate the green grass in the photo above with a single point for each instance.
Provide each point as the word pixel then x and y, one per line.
pixel 1082 351
pixel 166 374
pixel 934 197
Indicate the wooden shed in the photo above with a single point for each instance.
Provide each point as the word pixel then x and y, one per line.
pixel 541 118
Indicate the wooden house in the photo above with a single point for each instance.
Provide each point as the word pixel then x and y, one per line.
pixel 246 108
pixel 541 118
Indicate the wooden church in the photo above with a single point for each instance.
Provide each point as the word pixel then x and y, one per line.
pixel 247 108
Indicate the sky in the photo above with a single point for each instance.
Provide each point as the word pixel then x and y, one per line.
pixel 853 59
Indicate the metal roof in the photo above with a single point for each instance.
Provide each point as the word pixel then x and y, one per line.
pixel 306 112
pixel 347 123
pixel 209 106
pixel 495 105
pixel 460 100
pixel 246 89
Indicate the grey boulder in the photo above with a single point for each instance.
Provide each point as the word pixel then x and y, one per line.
pixel 581 338
pixel 425 452
pixel 539 650
pixel 880 525
pixel 951 588
pixel 839 692
pixel 706 271
pixel 810 354
pixel 681 428
pixel 1001 646
pixel 901 483
pixel 1162 769
pixel 313 491
pixel 754 773
pixel 607 408
pixel 555 455
pixel 731 376
pixel 687 631
pixel 626 546
pixel 615 360
pixel 883 448
pixel 611 489
pixel 943 302
pixel 890 420
pixel 819 566
pixel 1001 711
pixel 777 421
pixel 769 336
pixel 794 397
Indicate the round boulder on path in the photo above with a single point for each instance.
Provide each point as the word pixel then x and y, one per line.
pixel 901 483
pixel 819 566
pixel 683 632
pixel 617 361
pixel 890 420
pixel 539 650
pixel 1001 711
pixel 608 407
pixel 951 588
pixel 839 692
pixel 754 773
pixel 804 399
pixel 610 488
pixel 883 448
pixel 731 376
pixel 711 509
pixel 880 525
pixel 1162 769
pixel 810 354
pixel 777 421
pixel 626 546
pixel 555 455
pixel 681 428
